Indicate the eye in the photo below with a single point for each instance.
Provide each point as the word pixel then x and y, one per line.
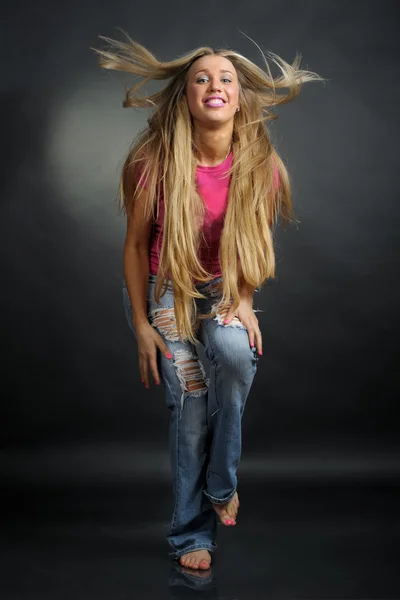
pixel 204 78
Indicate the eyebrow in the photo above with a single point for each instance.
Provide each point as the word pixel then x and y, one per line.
pixel 221 71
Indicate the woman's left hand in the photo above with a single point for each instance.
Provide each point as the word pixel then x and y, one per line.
pixel 245 313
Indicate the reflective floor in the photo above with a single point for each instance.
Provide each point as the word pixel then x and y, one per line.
pixel 290 542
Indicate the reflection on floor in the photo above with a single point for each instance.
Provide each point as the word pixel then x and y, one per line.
pixel 290 542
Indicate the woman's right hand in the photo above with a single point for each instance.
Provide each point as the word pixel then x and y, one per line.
pixel 148 341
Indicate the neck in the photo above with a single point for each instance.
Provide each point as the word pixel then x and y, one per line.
pixel 212 147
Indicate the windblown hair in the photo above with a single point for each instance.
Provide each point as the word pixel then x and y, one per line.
pixel 163 154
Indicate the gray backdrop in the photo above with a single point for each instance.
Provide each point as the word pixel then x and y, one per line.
pixel 324 399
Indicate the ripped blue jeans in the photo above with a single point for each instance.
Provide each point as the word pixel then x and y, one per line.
pixel 205 412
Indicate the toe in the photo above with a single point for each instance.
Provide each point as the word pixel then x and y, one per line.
pixel 226 518
pixel 204 564
pixel 223 514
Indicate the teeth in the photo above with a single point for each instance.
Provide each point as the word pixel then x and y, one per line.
pixel 217 102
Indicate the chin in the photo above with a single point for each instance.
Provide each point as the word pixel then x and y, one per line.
pixel 216 118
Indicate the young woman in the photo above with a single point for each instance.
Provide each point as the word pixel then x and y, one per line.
pixel 202 188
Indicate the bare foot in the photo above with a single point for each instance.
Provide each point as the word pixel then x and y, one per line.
pixel 227 512
pixel 199 559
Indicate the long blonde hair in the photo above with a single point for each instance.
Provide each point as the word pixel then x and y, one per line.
pixel 163 155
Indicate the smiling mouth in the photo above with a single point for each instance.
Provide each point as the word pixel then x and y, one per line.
pixel 214 103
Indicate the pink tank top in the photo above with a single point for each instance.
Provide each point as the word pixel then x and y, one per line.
pixel 213 187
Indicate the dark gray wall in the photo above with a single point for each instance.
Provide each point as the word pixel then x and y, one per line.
pixel 324 399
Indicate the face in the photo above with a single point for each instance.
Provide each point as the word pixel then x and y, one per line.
pixel 212 89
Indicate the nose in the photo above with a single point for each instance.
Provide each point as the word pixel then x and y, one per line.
pixel 215 85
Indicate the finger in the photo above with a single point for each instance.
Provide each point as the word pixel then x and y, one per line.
pixel 251 334
pixel 145 373
pixel 154 370
pixel 165 351
pixel 229 316
pixel 259 341
pixel 141 372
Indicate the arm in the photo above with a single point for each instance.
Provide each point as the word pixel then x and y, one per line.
pixel 136 259
pixel 245 290
pixel 136 271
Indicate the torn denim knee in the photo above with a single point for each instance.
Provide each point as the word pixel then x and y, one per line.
pixel 191 374
pixel 164 319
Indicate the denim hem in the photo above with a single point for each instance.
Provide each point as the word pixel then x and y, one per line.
pixel 220 500
pixel 178 553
